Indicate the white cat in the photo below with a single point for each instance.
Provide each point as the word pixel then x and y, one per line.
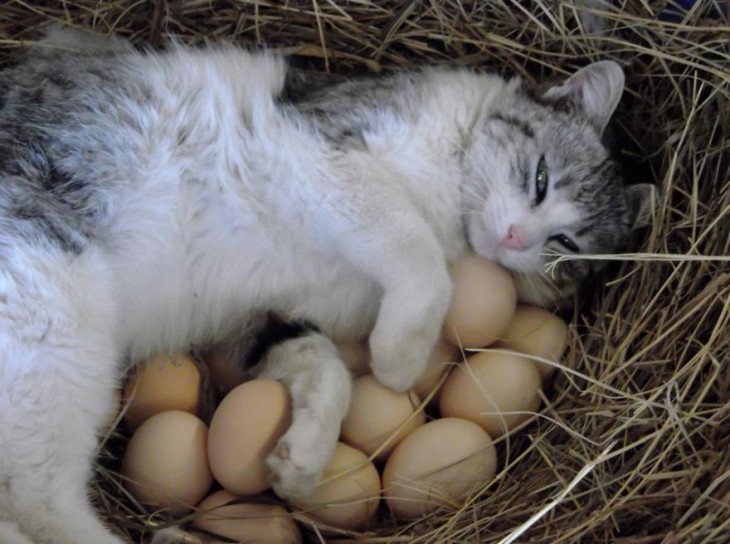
pixel 149 202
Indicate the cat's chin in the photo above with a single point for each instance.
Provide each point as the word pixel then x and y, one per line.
pixel 517 262
pixel 534 290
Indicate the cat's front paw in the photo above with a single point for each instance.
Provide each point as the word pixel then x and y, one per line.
pixel 399 360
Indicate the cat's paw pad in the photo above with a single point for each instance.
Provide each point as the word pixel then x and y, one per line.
pixel 289 479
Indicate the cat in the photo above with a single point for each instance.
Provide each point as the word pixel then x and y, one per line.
pixel 150 201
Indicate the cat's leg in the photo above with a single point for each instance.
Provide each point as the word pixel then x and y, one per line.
pixel 390 241
pixel 58 366
pixel 307 363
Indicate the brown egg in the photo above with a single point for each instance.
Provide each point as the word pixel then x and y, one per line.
pixel 440 463
pixel 379 418
pixel 244 430
pixel 252 523
pixel 356 356
pixel 349 493
pixel 225 373
pixel 438 363
pixel 537 332
pixel 496 390
pixel 482 304
pixel 159 384
pixel 166 463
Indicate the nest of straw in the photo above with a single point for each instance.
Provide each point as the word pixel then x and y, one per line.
pixel 633 442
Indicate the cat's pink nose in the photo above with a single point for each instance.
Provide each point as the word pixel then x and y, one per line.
pixel 513 240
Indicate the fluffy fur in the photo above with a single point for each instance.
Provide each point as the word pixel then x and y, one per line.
pixel 153 201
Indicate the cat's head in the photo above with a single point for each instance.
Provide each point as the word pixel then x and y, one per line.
pixel 540 181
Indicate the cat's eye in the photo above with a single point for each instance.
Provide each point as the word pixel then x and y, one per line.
pixel 566 242
pixel 541 180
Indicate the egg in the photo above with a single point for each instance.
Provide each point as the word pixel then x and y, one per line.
pixel 163 382
pixel 483 302
pixel 379 418
pixel 166 464
pixel 244 430
pixel 496 390
pixel 253 523
pixel 537 332
pixel 349 492
pixel 225 372
pixel 440 463
pixel 356 356
pixel 438 363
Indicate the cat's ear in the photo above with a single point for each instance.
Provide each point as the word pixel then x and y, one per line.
pixel 641 199
pixel 594 91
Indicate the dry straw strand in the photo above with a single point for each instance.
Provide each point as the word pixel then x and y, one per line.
pixel 647 368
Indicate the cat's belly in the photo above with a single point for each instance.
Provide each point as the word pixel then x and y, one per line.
pixel 164 308
pixel 343 306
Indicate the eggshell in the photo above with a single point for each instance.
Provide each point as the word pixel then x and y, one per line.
pixel 356 357
pixel 246 522
pixel 159 384
pixel 225 372
pixel 378 417
pixel 440 463
pixel 482 304
pixel 496 390
pixel 438 364
pixel 166 464
pixel 244 430
pixel 535 331
pixel 349 493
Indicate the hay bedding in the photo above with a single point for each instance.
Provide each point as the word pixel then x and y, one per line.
pixel 633 444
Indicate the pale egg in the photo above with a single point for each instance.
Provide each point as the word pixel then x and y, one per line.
pixel 379 418
pixel 441 463
pixel 496 390
pixel 166 463
pixel 349 493
pixel 244 430
pixel 439 362
pixel 482 304
pixel 537 332
pixel 159 384
pixel 225 514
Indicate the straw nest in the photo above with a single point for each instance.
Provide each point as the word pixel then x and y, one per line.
pixel 633 444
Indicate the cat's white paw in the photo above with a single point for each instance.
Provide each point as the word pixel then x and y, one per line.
pixel 399 360
pixel 291 478
pixel 297 463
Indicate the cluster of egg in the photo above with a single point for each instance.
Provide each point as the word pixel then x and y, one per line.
pixel 387 450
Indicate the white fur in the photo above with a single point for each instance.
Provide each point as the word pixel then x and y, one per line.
pixel 248 210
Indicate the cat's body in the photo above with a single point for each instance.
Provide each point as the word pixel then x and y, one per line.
pixel 150 202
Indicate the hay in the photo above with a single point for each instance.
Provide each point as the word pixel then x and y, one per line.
pixel 633 444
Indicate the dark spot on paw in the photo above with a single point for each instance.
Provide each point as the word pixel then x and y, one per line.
pixel 283 451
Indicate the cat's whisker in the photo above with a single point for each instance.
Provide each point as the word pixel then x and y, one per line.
pixel 553 258
pixel 541 285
